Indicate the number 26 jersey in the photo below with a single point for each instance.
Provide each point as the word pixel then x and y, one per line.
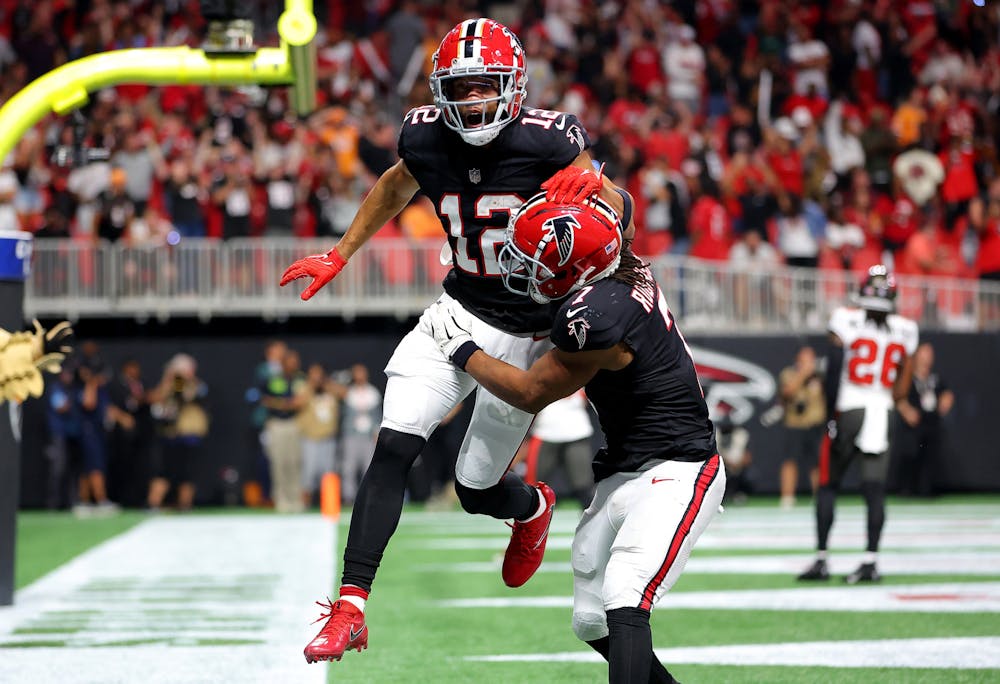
pixel 872 356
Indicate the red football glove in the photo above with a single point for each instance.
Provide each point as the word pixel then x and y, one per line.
pixel 573 184
pixel 322 268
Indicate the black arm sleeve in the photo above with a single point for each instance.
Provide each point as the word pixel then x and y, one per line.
pixel 627 210
pixel 831 383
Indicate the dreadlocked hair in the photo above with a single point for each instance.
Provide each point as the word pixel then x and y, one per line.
pixel 631 270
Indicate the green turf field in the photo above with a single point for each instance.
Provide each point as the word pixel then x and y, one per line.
pixel 46 540
pixel 412 639
pixel 440 613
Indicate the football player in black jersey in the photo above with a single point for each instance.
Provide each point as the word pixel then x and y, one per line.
pixel 477 154
pixel 659 478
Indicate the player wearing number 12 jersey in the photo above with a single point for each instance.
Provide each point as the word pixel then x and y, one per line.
pixel 869 370
pixel 477 154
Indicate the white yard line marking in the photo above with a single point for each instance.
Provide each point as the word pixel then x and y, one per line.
pixel 804 539
pixel 154 603
pixel 957 528
pixel 966 597
pixel 943 563
pixel 957 653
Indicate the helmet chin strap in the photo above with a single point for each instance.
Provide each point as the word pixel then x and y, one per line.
pixel 480 138
pixel 537 296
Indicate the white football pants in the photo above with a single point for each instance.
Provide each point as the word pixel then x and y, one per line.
pixel 423 386
pixel 635 538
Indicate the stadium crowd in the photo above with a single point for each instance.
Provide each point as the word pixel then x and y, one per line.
pixel 834 134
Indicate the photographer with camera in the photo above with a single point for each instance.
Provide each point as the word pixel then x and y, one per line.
pixel 802 398
pixel 177 406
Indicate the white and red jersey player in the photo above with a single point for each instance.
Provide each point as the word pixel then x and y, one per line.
pixel 874 351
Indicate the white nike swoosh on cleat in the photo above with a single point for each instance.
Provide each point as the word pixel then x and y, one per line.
pixel 546 532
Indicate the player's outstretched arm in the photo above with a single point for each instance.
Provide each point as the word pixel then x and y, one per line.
pixel 388 197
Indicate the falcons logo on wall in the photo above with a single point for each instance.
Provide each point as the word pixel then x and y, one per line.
pixel 560 230
pixel 578 328
pixel 731 384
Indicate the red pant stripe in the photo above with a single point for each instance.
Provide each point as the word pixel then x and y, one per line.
pixel 705 478
pixel 824 460
pixel 531 460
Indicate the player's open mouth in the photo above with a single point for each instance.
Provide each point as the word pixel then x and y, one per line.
pixel 474 118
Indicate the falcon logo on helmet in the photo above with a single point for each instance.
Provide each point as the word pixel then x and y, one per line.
pixel 551 250
pixel 560 230
pixel 877 291
pixel 490 50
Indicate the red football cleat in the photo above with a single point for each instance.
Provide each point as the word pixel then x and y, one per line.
pixel 527 543
pixel 345 629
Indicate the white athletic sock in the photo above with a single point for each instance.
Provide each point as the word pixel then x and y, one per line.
pixel 821 555
pixel 870 557
pixel 351 596
pixel 542 505
pixel 357 601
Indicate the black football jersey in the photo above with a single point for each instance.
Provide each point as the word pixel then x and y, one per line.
pixel 653 408
pixel 475 190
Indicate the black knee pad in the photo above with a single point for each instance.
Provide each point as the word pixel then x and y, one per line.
pixel 396 450
pixel 511 497
pixel 475 500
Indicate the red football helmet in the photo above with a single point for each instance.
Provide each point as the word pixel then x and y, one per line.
pixel 552 250
pixel 480 47
pixel 878 290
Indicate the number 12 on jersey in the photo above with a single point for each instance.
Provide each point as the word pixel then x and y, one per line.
pixel 489 238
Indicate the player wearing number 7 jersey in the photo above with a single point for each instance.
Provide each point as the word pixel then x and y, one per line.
pixel 659 478
pixel 477 154
pixel 869 370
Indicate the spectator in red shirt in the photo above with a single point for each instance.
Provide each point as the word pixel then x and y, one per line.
pixel 988 259
pixel 710 228
pixel 920 20
pixel 625 115
pixel 926 254
pixel 782 156
pixel 810 100
pixel 867 210
pixel 643 64
pixel 901 224
pixel 670 140
pixel 960 184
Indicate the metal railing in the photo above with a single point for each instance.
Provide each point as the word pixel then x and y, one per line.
pixel 399 277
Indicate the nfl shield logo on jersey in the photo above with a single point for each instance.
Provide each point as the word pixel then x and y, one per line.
pixel 475 176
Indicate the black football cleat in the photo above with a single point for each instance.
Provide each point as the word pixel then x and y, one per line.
pixel 815 572
pixel 866 572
